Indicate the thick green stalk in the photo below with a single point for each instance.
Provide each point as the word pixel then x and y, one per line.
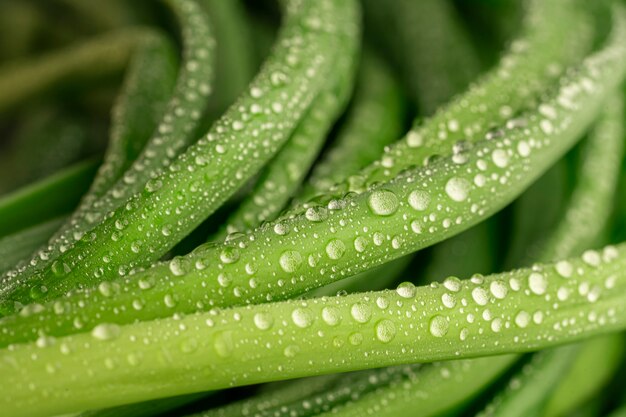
pixel 361 393
pixel 202 178
pixel 304 251
pixel 501 313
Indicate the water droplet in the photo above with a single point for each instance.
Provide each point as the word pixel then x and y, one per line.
pixel 316 214
pixel 281 229
pixel 382 302
pixel 263 321
pixel 302 317
pixel 153 185
pixel 331 316
pixel 290 261
pixel 169 301
pixel 385 330
pixel 106 331
pixel 291 351
pixel 438 326
pixel 360 312
pixel 419 200
pixel 523 149
pixel 496 325
pixel 383 202
pixel 105 288
pixel 60 269
pixel 480 296
pixel 452 284
pixel 177 266
pixel 38 291
pixel 537 283
pixel 522 319
pixel 355 338
pixel 498 289
pixel 448 300
pixel 360 244
pixel 546 126
pixel 414 139
pixel 457 189
pixel 335 249
pixel 564 269
pixel 224 280
pixel 406 290
pixel 229 255
pixel 591 258
pixel 500 157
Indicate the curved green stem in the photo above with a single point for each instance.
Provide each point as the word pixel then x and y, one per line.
pixel 501 313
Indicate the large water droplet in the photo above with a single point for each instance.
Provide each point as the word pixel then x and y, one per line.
pixel 522 319
pixel 106 331
pixel 263 321
pixel 498 289
pixel 438 326
pixel 335 249
pixel 419 200
pixel 290 261
pixel 406 290
pixel 480 296
pixel 537 283
pixel 331 316
pixel 385 330
pixel 302 317
pixel 383 202
pixel 457 189
pixel 360 312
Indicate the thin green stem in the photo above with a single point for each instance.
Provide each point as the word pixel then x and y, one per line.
pixel 373 122
pixel 61 192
